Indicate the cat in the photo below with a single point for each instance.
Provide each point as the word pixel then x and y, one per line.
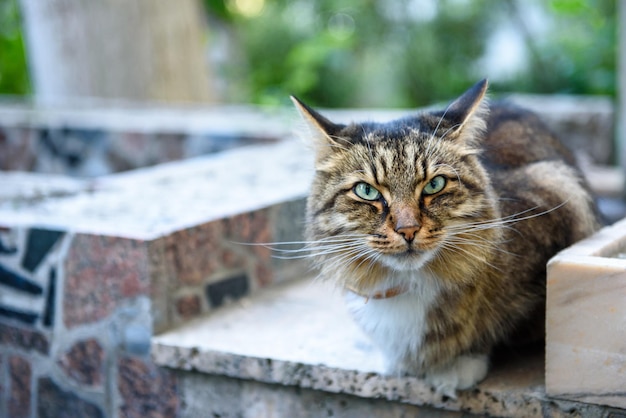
pixel 438 228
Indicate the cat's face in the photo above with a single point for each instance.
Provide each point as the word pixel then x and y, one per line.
pixel 397 195
pixel 400 194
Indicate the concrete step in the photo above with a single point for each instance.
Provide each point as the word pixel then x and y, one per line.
pixel 293 350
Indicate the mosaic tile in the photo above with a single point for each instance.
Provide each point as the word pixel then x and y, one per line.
pixel 250 228
pixel 232 288
pixel 84 362
pixel 24 339
pixel 16 149
pixel 23 316
pixel 54 402
pixel 264 275
pixel 48 314
pixel 169 147
pixel 194 252
pixel 101 272
pixel 188 306
pixel 3 385
pixel 6 249
pixel 73 151
pixel 20 375
pixel 161 282
pixel 38 243
pixel 19 282
pixel 145 387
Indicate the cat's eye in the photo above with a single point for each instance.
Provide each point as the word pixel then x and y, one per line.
pixel 366 191
pixel 435 185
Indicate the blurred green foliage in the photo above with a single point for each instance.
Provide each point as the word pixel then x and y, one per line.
pixel 579 54
pixel 13 69
pixel 364 53
pixel 387 53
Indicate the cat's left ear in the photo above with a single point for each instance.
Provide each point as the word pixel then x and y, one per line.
pixel 467 113
pixel 323 131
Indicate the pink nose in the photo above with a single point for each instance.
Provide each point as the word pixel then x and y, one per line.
pixel 408 232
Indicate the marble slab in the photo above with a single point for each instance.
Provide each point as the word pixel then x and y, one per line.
pixel 300 334
pixel 586 320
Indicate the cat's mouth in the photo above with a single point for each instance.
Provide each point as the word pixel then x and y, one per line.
pixel 408 259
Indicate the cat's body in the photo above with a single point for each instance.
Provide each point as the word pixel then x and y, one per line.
pixel 439 228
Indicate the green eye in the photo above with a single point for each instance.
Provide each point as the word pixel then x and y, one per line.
pixel 435 185
pixel 366 192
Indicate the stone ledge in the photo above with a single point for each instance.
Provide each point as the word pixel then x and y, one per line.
pixel 300 334
pixel 155 201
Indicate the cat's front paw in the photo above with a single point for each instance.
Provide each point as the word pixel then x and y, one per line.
pixel 464 372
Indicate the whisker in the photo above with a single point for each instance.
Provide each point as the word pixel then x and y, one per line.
pixel 461 250
pixel 514 218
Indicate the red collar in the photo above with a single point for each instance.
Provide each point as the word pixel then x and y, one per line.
pixel 381 294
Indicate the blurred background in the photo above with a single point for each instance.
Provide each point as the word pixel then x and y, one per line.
pixel 343 53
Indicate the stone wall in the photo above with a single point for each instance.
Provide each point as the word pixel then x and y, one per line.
pixel 98 140
pixel 81 294
pixel 77 311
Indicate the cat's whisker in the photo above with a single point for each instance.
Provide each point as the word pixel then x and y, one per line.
pixel 344 260
pixel 331 239
pixel 310 249
pixel 504 221
pixel 485 245
pixel 466 252
pixel 323 251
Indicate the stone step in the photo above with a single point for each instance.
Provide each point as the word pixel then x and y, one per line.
pixel 292 350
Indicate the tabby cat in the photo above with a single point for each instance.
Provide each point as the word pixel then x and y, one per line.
pixel 438 227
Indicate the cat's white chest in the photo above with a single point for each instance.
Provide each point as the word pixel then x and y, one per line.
pixel 396 325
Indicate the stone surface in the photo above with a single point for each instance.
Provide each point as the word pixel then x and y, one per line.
pixel 146 390
pixel 586 320
pixel 235 398
pixel 20 372
pixel 188 306
pixel 101 272
pixel 84 362
pixel 97 139
pixel 165 199
pixel 55 402
pixel 16 149
pixel 3 384
pixel 194 252
pixel 26 339
pixel 300 334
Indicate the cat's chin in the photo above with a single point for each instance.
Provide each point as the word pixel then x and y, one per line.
pixel 408 261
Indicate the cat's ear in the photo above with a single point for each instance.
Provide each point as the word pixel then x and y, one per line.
pixel 467 113
pixel 323 131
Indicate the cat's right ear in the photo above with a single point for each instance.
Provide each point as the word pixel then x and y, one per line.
pixel 321 130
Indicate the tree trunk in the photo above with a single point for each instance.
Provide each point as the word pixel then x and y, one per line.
pixel 144 50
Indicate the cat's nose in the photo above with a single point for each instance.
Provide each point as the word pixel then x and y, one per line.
pixel 408 232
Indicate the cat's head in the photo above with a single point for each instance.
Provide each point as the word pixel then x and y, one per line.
pixel 399 196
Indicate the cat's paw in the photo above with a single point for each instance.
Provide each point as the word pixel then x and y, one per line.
pixel 464 372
